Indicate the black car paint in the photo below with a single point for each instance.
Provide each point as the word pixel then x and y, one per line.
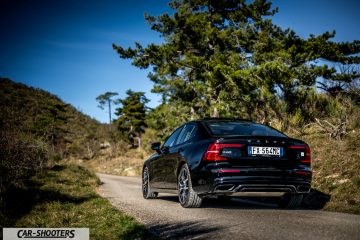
pixel 164 165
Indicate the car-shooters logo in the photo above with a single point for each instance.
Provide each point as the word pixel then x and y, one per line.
pixel 46 233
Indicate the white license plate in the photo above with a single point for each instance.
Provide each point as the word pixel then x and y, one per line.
pixel 266 151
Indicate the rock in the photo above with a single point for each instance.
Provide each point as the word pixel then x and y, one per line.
pixel 105 145
pixel 342 181
pixel 130 172
pixel 332 176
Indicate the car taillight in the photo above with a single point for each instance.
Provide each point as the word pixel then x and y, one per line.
pixel 213 153
pixel 305 153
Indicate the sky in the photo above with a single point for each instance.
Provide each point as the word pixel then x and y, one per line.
pixel 65 46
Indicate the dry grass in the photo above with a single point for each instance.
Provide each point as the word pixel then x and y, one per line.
pixel 125 163
pixel 336 168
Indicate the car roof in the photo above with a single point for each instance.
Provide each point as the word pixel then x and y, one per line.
pixel 204 122
pixel 225 119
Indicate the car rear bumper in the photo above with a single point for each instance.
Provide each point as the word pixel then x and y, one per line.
pixel 259 189
pixel 246 183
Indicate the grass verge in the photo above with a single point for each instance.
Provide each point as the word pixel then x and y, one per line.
pixel 65 196
pixel 336 168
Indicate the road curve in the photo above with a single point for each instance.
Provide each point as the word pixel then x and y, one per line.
pixel 225 220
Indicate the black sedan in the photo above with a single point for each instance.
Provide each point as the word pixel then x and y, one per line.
pixel 228 157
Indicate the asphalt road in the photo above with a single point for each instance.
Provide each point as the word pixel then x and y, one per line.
pixel 235 219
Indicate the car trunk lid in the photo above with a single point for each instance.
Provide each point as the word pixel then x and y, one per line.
pixel 261 152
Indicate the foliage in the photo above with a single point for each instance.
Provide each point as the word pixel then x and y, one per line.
pixel 225 57
pixel 106 99
pixel 131 121
pixel 21 157
pixel 166 117
pixel 51 124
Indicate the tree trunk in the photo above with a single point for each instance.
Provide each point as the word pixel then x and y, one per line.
pixel 109 111
pixel 138 141
pixel 192 113
pixel 215 113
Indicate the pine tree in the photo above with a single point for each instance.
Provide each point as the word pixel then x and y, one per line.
pixel 131 121
pixel 106 99
pixel 226 57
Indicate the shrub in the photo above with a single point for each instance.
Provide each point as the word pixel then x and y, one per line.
pixel 21 156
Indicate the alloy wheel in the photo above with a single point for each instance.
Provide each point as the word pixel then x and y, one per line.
pixel 145 182
pixel 183 186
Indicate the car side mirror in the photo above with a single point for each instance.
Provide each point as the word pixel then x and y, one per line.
pixel 156 146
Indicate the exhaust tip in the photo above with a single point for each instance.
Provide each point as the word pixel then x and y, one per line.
pixel 303 188
pixel 226 187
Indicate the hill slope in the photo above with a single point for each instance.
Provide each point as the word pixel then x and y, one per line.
pixel 43 116
pixel 37 129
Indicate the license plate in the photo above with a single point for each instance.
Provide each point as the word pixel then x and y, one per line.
pixel 265 151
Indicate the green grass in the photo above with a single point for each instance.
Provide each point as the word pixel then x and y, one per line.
pixel 65 196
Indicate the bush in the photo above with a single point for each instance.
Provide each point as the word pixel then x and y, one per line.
pixel 21 156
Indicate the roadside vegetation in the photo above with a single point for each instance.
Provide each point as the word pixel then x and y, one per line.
pixel 336 168
pixel 65 196
pixel 38 188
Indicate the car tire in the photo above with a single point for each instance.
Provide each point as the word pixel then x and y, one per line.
pixel 146 190
pixel 188 198
pixel 290 200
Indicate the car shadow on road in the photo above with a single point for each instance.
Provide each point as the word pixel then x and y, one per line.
pixel 314 200
pixel 183 230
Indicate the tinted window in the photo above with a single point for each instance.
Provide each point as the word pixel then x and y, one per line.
pixel 187 133
pixel 170 141
pixel 242 128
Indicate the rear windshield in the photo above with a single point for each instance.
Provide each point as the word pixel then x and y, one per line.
pixel 242 128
